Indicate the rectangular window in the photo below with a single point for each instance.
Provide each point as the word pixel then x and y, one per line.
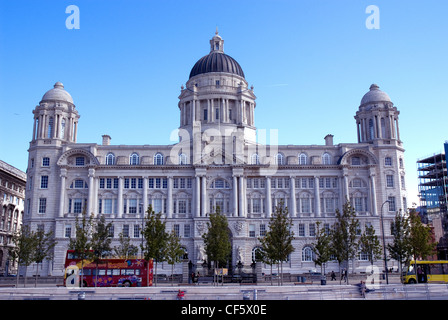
pixel 262 230
pixel 390 181
pixel 205 114
pixel 133 183
pixel 136 231
pixel 80 161
pixel 301 230
pixel 126 183
pixel 42 205
pixel 101 183
pixel 126 231
pixel 109 183
pixel 157 205
pixel 177 230
pixel 392 206
pixel 45 162
pixel 44 182
pixel 312 228
pixel 77 205
pixel 187 232
pixel 68 231
pixel 252 230
pixel 388 161
pixel 256 205
pixel 107 206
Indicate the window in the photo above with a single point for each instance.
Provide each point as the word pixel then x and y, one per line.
pixel 79 184
pixel 255 159
pixel 403 184
pixel 50 127
pixel 217 113
pixel 326 158
pixel 389 181
pixel 401 163
pixel 262 230
pixel 158 159
pixel 134 159
pixel 312 228
pixel 110 159
pixel 307 254
pixel 392 206
pixel 45 162
pixel 252 230
pixel 68 231
pixel 136 231
pixel 279 158
pixel 187 232
pixel 80 161
pixel 205 114
pixel 62 133
pixel 302 158
pixel 42 205
pixel 182 159
pixel 107 206
pixel 388 161
pixel 77 205
pixel 132 205
pixel 44 182
pixel 301 230
pixel 371 129
pixel 126 231
pixel 356 161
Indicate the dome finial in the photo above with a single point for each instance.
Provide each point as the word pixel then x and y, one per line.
pixel 216 32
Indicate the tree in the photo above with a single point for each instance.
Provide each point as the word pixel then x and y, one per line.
pixel 370 244
pixel 420 240
pixel 174 252
pixel 322 247
pixel 277 243
pixel 400 249
pixel 43 248
pixel 22 252
pixel 101 242
pixel 216 239
pixel 125 249
pixel 266 252
pixel 343 235
pixel 81 244
pixel 155 236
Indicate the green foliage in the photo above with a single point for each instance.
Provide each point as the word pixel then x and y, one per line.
pixel 370 244
pixel 322 246
pixel 81 243
pixel 276 245
pixel 155 236
pixel 216 239
pixel 101 242
pixel 420 240
pixel 125 249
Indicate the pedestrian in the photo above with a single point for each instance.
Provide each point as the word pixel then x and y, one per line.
pixel 192 277
pixel 362 287
pixel 333 276
pixel 180 295
pixel 342 274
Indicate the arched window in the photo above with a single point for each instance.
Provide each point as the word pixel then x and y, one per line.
pixel 110 158
pixel 307 254
pixel 279 159
pixel 302 158
pixel 158 159
pixel 182 158
pixel 326 158
pixel 371 130
pixel 134 159
pixel 255 159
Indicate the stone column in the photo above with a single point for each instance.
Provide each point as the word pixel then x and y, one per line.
pixel 317 197
pixel 373 194
pixel 198 196
pixel 292 185
pixel 235 196
pixel 169 206
pixel 241 197
pixel 145 195
pixel 120 197
pixel 268 198
pixel 204 196
pixel 62 193
pixel 91 189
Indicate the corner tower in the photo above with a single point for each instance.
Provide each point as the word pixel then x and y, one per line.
pixel 217 101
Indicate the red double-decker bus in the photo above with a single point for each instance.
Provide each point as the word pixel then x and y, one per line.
pixel 108 273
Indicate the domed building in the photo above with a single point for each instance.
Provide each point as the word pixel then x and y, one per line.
pixel 216 163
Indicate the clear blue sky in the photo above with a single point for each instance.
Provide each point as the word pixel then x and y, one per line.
pixel 310 63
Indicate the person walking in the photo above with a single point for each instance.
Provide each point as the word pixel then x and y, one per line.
pixel 333 276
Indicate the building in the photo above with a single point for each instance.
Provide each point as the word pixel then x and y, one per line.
pixel 12 192
pixel 218 161
pixel 433 193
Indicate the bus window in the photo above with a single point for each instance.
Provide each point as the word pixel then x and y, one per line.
pixel 411 269
pixel 127 272
pixel 86 272
pixel 435 269
pixel 101 272
pixel 115 272
pixel 137 272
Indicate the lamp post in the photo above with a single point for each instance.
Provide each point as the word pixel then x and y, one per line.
pixel 384 241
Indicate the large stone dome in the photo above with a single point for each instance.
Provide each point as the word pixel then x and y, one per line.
pixel 216 60
pixel 375 95
pixel 58 93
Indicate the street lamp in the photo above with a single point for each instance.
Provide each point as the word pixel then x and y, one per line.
pixel 384 241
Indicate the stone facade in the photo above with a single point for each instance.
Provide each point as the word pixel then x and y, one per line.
pixel 220 160
pixel 12 193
